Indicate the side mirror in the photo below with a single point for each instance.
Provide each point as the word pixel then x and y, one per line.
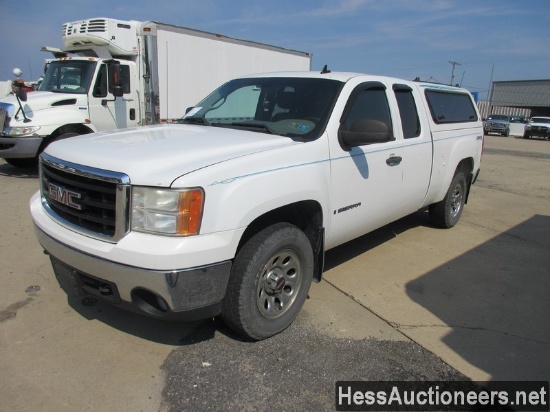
pixel 115 78
pixel 365 131
pixel 21 95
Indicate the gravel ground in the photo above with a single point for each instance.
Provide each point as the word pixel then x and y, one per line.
pixel 294 371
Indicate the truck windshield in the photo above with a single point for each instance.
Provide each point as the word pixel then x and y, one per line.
pixel 295 107
pixel 68 76
pixel 498 117
pixel 540 120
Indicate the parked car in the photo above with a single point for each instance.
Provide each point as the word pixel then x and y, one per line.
pixel 537 127
pixel 497 123
pixel 518 119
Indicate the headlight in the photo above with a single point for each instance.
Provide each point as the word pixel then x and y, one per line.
pixel 168 212
pixel 527 127
pixel 23 131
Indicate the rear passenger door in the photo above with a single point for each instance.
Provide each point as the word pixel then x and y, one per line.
pixel 415 135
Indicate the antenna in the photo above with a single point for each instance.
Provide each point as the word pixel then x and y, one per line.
pixel 325 69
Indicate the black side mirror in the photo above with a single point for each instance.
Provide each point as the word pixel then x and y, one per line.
pixel 365 131
pixel 21 95
pixel 115 78
pixel 114 81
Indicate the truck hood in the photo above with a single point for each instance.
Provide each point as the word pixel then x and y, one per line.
pixel 157 155
pixel 538 124
pixel 42 100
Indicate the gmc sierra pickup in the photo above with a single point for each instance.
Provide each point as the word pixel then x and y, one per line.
pixel 230 212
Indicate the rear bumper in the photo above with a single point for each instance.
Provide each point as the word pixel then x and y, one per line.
pixel 179 294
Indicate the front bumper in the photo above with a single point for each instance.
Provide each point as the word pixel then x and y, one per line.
pixel 179 294
pixel 19 147
pixel 496 128
pixel 537 131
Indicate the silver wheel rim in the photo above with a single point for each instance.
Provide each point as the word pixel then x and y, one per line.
pixel 279 284
pixel 456 201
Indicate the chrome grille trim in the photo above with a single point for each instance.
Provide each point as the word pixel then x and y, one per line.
pixel 112 224
pixel 3 119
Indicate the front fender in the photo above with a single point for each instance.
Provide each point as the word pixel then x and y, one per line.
pixel 239 191
pixel 53 118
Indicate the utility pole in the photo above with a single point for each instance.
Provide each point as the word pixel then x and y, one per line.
pixel 453 72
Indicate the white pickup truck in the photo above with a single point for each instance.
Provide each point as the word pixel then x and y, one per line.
pixel 230 212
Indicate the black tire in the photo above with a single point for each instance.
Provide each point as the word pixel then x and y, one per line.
pixel 269 282
pixel 447 213
pixel 23 163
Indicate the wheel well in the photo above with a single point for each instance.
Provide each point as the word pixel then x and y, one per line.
pixel 467 167
pixel 306 215
pixel 68 128
pixel 71 128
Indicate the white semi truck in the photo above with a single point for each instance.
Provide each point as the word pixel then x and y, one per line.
pixel 114 74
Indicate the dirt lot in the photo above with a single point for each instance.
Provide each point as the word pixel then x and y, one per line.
pixel 406 302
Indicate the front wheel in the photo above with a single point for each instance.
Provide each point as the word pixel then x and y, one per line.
pixel 269 282
pixel 447 213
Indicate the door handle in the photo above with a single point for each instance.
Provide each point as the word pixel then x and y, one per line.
pixel 393 160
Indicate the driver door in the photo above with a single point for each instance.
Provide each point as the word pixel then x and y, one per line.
pixel 108 112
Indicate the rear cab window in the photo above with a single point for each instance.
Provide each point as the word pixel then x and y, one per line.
pixel 451 107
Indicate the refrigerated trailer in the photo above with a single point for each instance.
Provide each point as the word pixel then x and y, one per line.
pixel 113 74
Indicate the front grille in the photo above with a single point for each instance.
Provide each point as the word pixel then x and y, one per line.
pixel 91 201
pixel 4 119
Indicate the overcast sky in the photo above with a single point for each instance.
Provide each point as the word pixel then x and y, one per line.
pixel 498 39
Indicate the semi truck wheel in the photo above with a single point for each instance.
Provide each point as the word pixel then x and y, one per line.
pixel 269 282
pixel 447 213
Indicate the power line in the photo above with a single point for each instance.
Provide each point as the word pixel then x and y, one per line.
pixel 453 72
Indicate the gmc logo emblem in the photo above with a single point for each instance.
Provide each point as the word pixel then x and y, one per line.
pixel 64 196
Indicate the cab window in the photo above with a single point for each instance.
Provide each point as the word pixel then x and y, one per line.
pixel 407 111
pixel 100 87
pixel 368 102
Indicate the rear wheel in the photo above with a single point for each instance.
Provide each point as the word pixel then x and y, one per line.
pixel 447 213
pixel 269 282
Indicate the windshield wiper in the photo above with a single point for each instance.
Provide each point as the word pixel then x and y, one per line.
pixel 194 120
pixel 249 125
